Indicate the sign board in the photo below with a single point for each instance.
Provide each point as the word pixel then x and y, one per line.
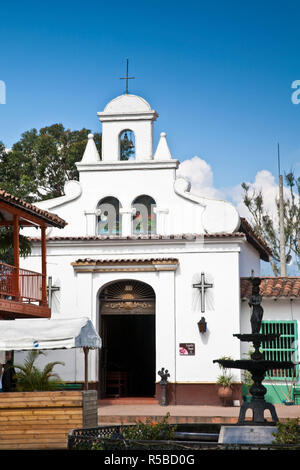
pixel 187 349
pixel 247 434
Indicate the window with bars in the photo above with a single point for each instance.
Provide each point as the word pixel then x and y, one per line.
pixel 285 348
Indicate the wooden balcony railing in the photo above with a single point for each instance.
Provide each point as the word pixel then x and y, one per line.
pixel 20 284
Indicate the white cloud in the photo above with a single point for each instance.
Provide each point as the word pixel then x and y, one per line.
pixel 200 175
pixel 266 183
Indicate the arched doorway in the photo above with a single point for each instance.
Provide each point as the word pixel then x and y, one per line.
pixel 127 329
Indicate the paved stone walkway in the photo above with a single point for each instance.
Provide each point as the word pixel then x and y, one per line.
pixel 118 413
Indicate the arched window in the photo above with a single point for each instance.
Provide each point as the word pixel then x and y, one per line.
pixel 144 217
pixel 108 217
pixel 127 145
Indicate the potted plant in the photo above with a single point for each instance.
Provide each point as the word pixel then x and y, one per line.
pixel 224 381
pixel 30 378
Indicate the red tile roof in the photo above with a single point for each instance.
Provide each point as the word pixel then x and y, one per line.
pixel 183 236
pixel 273 287
pixel 49 217
pixel 245 231
pixel 256 240
pixel 90 261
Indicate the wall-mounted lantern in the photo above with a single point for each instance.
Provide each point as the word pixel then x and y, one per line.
pixel 202 325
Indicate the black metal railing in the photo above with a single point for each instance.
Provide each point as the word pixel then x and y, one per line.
pixel 111 438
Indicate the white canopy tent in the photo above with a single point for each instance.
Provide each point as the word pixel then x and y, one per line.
pixel 27 334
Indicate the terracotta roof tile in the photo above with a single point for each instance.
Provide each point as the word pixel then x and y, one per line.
pixel 273 287
pixel 245 232
pixel 182 236
pixel 185 236
pixel 15 201
pixel 255 239
pixel 90 261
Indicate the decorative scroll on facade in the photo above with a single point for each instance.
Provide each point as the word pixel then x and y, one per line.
pixel 127 297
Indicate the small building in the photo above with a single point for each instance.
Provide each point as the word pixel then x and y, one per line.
pixel 155 267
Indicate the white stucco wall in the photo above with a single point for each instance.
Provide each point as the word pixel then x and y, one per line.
pixel 249 261
pixel 177 302
pixel 223 259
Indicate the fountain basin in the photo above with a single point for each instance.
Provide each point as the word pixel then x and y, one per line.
pixel 257 337
pixel 251 365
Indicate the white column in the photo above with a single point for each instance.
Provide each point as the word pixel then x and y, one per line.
pixel 160 220
pixel 127 214
pixel 165 325
pixel 90 223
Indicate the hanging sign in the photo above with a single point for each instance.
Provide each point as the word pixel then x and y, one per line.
pixel 187 349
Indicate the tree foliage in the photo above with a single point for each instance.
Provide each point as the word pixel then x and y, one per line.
pixel 6 245
pixel 39 164
pixel 267 226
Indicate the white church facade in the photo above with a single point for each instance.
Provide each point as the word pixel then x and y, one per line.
pixel 146 260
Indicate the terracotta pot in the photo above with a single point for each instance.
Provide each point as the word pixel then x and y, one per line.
pixel 225 392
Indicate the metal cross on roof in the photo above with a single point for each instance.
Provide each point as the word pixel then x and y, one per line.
pixel 127 78
pixel 202 285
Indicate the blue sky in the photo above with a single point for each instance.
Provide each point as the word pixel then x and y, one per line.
pixel 218 73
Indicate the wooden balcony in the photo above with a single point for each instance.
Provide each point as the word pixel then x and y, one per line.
pixel 22 293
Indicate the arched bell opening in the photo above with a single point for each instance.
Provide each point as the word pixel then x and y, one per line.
pixel 127 329
pixel 127 145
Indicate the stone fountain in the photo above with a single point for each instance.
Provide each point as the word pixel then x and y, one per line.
pixel 257 366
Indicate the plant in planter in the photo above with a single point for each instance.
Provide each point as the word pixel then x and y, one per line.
pixel 150 430
pixel 30 378
pixel 288 433
pixel 143 431
pixel 224 381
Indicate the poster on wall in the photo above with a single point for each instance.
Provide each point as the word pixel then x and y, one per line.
pixel 187 349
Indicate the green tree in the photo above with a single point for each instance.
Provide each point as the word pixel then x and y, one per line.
pixel 6 246
pixel 266 225
pixel 39 164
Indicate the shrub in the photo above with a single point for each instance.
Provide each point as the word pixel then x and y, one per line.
pixel 288 433
pixel 150 430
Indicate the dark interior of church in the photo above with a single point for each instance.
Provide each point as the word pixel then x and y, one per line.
pixel 128 355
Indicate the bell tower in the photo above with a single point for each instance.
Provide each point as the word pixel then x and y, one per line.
pixel 127 113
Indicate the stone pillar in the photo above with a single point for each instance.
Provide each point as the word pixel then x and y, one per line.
pixel 127 221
